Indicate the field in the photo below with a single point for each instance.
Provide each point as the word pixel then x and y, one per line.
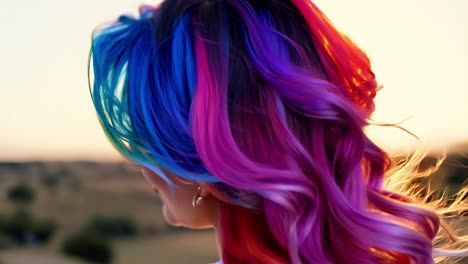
pixel 87 189
pixel 175 248
pixel 72 193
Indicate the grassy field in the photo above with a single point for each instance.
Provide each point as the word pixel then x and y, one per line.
pixel 86 190
pixel 79 191
pixel 183 247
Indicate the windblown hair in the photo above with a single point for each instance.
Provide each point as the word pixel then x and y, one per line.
pixel 266 101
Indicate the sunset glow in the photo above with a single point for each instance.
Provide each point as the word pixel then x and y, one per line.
pixel 418 50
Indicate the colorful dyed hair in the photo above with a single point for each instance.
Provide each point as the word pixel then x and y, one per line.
pixel 266 101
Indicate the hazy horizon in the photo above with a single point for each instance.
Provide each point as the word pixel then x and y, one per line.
pixel 418 50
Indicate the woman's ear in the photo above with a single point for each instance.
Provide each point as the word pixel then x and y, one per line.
pixel 204 191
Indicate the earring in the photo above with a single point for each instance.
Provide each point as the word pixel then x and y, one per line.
pixel 197 198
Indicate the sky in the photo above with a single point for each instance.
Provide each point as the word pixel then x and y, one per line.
pixel 418 50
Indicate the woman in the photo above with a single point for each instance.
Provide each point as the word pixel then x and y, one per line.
pixel 247 116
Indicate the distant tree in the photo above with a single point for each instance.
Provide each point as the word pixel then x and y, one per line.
pixel 89 245
pixel 23 228
pixel 50 181
pixel 22 193
pixel 18 226
pixel 458 177
pixel 3 227
pixel 43 229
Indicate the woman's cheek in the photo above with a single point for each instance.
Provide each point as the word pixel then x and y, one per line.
pixel 169 216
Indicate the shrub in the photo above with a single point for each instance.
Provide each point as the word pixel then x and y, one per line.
pixel 3 223
pixel 43 229
pixel 18 226
pixel 114 226
pixel 3 239
pixel 23 228
pixel 88 245
pixel 21 193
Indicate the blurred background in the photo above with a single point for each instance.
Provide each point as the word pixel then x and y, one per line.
pixel 67 197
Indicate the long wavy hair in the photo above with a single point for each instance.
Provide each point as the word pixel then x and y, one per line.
pixel 266 102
